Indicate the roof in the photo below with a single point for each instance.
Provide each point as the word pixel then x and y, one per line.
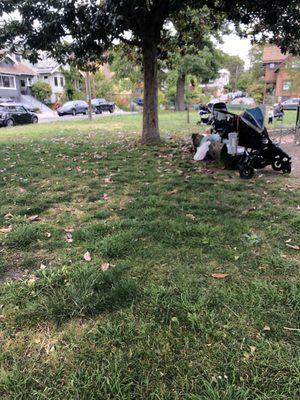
pixel 17 69
pixel 273 54
pixel 46 66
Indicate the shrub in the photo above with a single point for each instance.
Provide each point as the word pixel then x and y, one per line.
pixel 41 90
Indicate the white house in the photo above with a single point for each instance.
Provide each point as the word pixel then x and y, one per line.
pixel 219 83
pixel 50 71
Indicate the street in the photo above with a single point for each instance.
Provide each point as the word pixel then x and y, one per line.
pixel 52 117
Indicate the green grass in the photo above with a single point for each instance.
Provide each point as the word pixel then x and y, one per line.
pixel 156 325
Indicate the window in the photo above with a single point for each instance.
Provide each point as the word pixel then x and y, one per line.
pixel 45 77
pixel 20 109
pixel 62 82
pixel 7 82
pixel 287 85
pixel 11 108
pixel 55 81
pixel 29 81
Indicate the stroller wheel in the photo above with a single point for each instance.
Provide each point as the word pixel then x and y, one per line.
pixel 286 167
pixel 246 172
pixel 277 165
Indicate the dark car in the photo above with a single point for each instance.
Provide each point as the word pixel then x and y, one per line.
pixel 16 114
pixel 73 108
pixel 100 105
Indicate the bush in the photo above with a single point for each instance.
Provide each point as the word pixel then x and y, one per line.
pixel 41 90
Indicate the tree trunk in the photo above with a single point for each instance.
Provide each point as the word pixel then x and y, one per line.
pixel 150 112
pixel 180 92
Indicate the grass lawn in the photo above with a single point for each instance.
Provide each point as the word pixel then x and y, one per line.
pixel 144 318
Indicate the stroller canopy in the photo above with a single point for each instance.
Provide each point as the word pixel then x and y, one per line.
pixel 254 118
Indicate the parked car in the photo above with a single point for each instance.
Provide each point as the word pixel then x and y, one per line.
pixel 100 105
pixel 73 108
pixel 16 114
pixel 242 103
pixel 290 104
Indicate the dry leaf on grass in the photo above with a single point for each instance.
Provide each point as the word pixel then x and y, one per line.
pixel 33 218
pixel 173 191
pixel 8 229
pixel 219 276
pixel 266 328
pixel 105 197
pixel 8 216
pixel 294 247
pixel 105 267
pixel 69 237
pixel 108 180
pixel 87 256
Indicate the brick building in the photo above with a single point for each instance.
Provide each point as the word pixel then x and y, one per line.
pixel 278 79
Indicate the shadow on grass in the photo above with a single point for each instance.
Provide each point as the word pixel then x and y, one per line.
pixel 60 295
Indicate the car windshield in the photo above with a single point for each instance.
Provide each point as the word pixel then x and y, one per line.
pixel 69 103
pixel 2 108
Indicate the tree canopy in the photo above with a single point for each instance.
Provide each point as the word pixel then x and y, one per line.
pixel 83 30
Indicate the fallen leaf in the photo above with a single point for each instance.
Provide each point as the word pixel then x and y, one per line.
pixel 108 180
pixel 105 267
pixel 48 235
pixel 191 216
pixel 105 197
pixel 8 216
pixel 171 192
pixel 219 276
pixel 69 230
pixel 87 256
pixel 291 246
pixel 23 190
pixel 266 328
pixel 6 230
pixel 43 266
pixel 31 281
pixel 33 218
pixel 69 237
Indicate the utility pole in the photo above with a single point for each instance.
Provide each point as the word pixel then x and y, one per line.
pixel 88 92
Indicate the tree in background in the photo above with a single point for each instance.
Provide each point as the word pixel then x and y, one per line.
pixel 252 80
pixel 235 66
pixel 74 81
pixel 95 25
pixel 41 90
pixel 191 50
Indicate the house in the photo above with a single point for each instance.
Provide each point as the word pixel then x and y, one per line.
pixel 277 73
pixel 51 72
pixel 16 78
pixel 218 84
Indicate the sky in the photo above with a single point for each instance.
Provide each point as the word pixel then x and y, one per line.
pixel 236 46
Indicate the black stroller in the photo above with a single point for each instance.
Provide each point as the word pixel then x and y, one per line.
pixel 258 149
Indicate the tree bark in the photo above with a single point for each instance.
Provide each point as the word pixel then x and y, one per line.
pixel 150 112
pixel 180 92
